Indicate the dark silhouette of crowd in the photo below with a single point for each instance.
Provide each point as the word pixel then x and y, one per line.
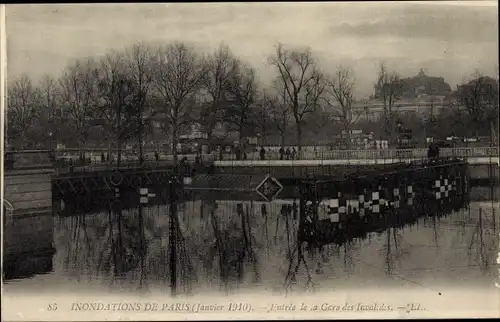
pixel 433 151
pixel 287 154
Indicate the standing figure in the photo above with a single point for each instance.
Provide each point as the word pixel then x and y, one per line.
pixel 281 152
pixel 262 153
pixel 237 152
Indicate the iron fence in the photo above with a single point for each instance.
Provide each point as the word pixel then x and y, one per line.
pixel 91 160
pixel 382 154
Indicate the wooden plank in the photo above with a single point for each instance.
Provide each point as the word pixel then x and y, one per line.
pixel 20 188
pixel 24 179
pixel 33 204
pixel 28 196
pixel 17 172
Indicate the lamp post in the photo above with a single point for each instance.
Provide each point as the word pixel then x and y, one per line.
pixel 50 140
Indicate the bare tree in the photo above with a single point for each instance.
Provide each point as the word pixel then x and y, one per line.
pixel 302 80
pixel 139 69
pixel 277 108
pixel 477 99
pixel 78 84
pixel 340 97
pixel 51 117
pixel 219 68
pixel 178 73
pixel 23 106
pixel 242 91
pixel 115 102
pixel 389 89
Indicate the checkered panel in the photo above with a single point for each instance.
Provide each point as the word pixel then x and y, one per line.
pixel 375 201
pixel 442 188
pixel 308 212
pixel 323 210
pixel 337 208
pixel 145 195
pixel 364 204
pixel 410 195
pixel 395 198
pixel 333 210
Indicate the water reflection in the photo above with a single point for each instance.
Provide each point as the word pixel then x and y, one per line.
pixel 227 246
pixel 27 246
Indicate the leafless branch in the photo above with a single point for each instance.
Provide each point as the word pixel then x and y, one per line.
pixel 177 79
pixel 24 104
pixel 302 81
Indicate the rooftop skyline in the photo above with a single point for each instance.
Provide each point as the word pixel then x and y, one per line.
pixel 446 40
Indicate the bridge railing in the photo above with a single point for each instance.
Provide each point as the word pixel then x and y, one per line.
pixel 96 164
pixel 94 156
pixel 384 154
pixel 67 158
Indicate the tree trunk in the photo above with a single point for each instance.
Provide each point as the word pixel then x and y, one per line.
pixel 119 155
pixel 119 135
pixel 299 139
pixel 81 147
pixel 141 152
pixel 209 142
pixel 347 130
pixel 174 142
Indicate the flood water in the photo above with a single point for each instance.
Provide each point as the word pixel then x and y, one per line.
pixel 223 250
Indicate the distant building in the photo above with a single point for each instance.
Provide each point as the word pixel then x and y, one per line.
pixel 420 96
pixel 484 88
pixel 373 110
pixel 414 87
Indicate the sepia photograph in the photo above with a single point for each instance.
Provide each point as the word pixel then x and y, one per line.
pixel 250 160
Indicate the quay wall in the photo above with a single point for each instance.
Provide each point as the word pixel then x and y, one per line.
pixel 28 190
pixel 28 222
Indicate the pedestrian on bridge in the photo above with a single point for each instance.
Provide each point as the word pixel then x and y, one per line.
pixel 433 151
pixel 288 153
pixel 294 153
pixel 262 153
pixel 157 156
pixel 102 157
pixel 281 152
pixel 430 151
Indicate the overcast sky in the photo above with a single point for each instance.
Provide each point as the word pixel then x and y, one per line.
pixel 444 39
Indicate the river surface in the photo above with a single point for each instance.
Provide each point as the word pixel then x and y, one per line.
pixel 218 251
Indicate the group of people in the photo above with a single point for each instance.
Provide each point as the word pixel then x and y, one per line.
pixel 104 158
pixel 433 151
pixel 288 154
pixel 284 154
pixel 237 152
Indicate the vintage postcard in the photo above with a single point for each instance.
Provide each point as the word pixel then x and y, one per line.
pixel 200 161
